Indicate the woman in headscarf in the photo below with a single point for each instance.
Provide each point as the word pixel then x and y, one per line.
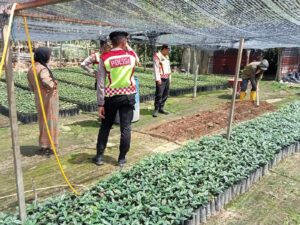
pixel 49 92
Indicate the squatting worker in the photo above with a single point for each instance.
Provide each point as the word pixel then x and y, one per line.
pixel 162 73
pixel 49 90
pixel 116 92
pixel 94 59
pixel 253 72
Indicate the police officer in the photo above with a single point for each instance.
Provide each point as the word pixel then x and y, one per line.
pixel 116 92
pixel 94 59
pixel 253 72
pixel 162 73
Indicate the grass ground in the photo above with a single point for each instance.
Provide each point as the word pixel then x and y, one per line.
pixel 78 138
pixel 275 200
pixel 77 145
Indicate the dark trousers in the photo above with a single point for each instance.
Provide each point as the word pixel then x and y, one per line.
pixel 125 105
pixel 245 84
pixel 161 94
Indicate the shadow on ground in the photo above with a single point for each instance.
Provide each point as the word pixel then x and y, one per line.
pixel 30 151
pixel 85 158
pixel 87 123
pixel 146 112
pixel 224 96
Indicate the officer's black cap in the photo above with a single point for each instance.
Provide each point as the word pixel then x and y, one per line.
pixel 115 34
pixel 164 47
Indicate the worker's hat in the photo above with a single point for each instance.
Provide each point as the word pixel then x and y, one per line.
pixel 264 64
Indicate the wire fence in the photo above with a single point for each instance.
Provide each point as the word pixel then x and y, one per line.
pixel 206 24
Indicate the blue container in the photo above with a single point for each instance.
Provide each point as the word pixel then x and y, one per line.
pixel 136 112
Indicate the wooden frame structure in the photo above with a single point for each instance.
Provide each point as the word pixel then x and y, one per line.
pixel 13 108
pixel 11 91
pixel 36 3
pixel 14 129
pixel 236 78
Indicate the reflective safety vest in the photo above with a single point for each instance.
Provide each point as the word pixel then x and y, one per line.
pixel 164 65
pixel 119 65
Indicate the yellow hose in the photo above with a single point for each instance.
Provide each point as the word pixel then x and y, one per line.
pixel 43 109
pixel 6 39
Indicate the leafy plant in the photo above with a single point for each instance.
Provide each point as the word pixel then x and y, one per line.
pixel 78 88
pixel 25 100
pixel 76 75
pixel 67 92
pixel 167 188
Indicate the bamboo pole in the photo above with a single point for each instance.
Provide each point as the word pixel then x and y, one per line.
pixel 87 50
pixel 152 40
pixel 279 60
pixel 189 62
pixel 208 64
pixel 195 67
pixel 38 3
pixel 257 93
pixel 248 57
pixel 195 81
pixel 42 189
pixel 236 78
pixel 145 56
pixel 19 61
pixel 64 19
pixel 14 128
pixel 60 54
pixel 34 192
pixel 195 59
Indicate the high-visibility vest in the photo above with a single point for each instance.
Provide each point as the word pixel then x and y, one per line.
pixel 119 65
pixel 164 65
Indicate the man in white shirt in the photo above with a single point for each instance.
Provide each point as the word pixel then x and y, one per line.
pixel 94 59
pixel 162 73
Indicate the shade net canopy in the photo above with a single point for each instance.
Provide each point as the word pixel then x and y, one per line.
pixel 205 23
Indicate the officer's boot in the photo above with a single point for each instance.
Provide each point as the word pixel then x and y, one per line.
pixel 155 112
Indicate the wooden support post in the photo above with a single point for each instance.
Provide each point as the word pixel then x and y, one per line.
pixel 257 93
pixel 38 3
pixel 248 56
pixel 152 40
pixel 208 65
pixel 87 49
pixel 19 61
pixel 14 129
pixel 236 78
pixel 60 54
pixel 279 61
pixel 195 68
pixel 194 60
pixel 145 57
pixel 44 16
pixel 195 81
pixel 153 47
pixel 34 192
pixel 189 62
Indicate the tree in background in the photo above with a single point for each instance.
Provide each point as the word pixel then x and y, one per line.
pixel 145 54
pixel 272 56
